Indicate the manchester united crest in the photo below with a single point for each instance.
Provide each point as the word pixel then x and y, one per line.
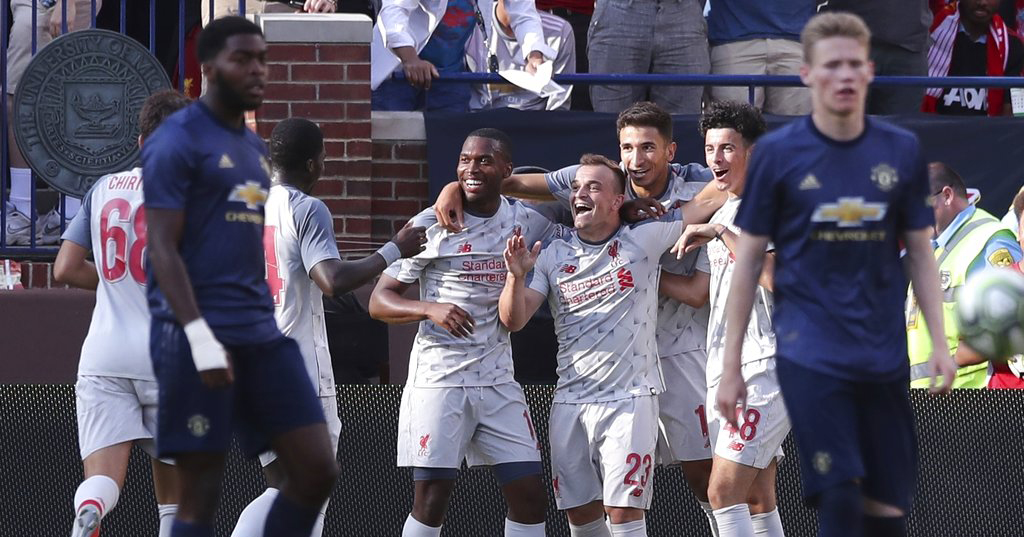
pixel 884 177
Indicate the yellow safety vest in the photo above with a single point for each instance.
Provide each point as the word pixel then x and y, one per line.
pixel 962 249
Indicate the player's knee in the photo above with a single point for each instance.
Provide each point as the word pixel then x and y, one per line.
pixel 621 515
pixel 527 500
pixel 698 478
pixel 723 492
pixel 321 478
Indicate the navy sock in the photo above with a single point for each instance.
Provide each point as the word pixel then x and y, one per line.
pixel 289 519
pixel 877 526
pixel 190 529
pixel 840 511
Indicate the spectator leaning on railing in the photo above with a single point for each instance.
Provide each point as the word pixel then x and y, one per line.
pixel 222 8
pixel 499 50
pixel 899 47
pixel 754 37
pixel 970 39
pixel 49 16
pixel 648 36
pixel 425 38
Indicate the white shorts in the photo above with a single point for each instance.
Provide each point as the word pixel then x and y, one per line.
pixel 764 425
pixel 330 404
pixel 483 425
pixel 682 421
pixel 112 410
pixel 604 451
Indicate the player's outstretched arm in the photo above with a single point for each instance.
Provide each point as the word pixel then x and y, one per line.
pixel 732 391
pixel 387 304
pixel 336 277
pixel 163 233
pixel 697 235
pixel 73 268
pixel 692 290
pixel 924 276
pixel 517 303
pixel 526 186
pixel 703 206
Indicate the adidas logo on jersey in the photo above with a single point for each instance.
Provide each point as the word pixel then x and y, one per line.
pixel 225 162
pixel 809 183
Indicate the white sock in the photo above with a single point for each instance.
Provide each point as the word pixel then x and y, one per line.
pixel 318 526
pixel 515 529
pixel 21 190
pixel 596 528
pixel 167 512
pixel 98 489
pixel 415 528
pixel 636 528
pixel 254 517
pixel 734 521
pixel 710 513
pixel 768 524
pixel 71 206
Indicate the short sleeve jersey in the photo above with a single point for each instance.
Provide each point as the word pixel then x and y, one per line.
pixel 681 328
pixel 759 341
pixel 299 234
pixel 219 176
pixel 604 299
pixel 836 212
pixel 112 225
pixel 466 269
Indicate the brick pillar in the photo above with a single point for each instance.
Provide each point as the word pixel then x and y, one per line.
pixel 320 70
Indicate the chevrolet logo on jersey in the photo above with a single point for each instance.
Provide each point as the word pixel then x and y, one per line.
pixel 250 193
pixel 849 212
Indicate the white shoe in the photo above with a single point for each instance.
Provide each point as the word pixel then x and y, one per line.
pixel 87 523
pixel 19 227
pixel 48 228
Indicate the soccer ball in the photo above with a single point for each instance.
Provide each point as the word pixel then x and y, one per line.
pixel 990 313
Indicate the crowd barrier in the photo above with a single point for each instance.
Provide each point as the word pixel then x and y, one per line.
pixel 971 479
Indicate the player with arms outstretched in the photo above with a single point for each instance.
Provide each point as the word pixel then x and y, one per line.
pixel 836 192
pixel 222 364
pixel 303 264
pixel 461 400
pixel 116 393
pixel 601 283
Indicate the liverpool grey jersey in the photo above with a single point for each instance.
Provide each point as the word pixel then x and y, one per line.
pixel 466 269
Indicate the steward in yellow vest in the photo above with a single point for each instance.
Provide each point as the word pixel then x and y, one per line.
pixel 968 239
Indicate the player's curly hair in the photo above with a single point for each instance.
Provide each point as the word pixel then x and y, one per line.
pixel 294 142
pixel 216 34
pixel 740 117
pixel 646 114
pixel 158 107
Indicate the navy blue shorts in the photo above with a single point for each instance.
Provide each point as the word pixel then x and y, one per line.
pixel 847 430
pixel 272 394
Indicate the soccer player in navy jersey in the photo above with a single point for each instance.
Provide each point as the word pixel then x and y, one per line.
pixel 222 364
pixel 836 192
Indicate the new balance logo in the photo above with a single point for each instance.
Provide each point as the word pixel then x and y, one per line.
pixel 465 248
pixel 625 279
pixel 809 183
pixel 225 162
pixel 568 269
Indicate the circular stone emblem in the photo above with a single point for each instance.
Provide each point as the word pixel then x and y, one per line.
pixel 76 110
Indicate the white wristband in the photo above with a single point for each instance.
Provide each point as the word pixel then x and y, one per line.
pixel 390 253
pixel 207 352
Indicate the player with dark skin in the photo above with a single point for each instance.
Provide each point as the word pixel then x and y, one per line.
pixel 336 277
pixel 237 76
pixel 482 167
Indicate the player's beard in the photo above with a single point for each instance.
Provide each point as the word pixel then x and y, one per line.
pixel 231 98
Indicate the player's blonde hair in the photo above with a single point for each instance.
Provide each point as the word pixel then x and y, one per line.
pixel 592 159
pixel 826 25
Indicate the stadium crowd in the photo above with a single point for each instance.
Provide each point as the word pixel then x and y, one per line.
pixel 647 286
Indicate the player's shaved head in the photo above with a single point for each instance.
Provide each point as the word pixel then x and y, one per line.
pixel 215 35
pixel 941 175
pixel 740 117
pixel 293 143
pixel 501 140
pixel 158 107
pixel 591 159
